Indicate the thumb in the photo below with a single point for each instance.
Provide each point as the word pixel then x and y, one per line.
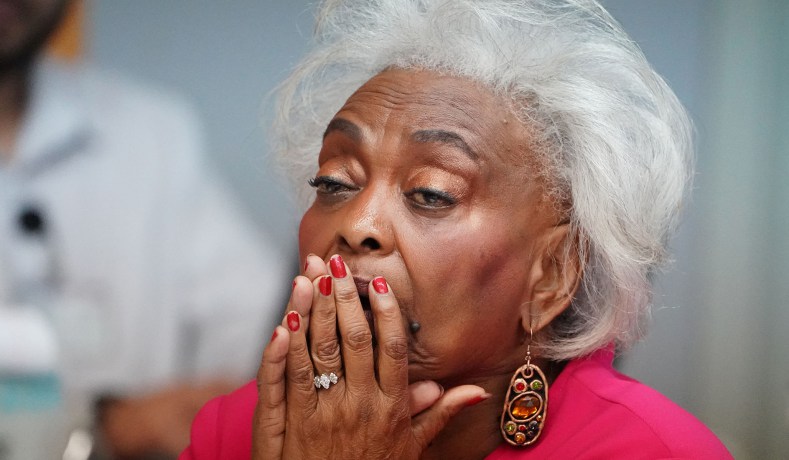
pixel 429 423
pixel 422 395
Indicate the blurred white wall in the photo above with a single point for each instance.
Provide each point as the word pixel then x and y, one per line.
pixel 718 345
pixel 226 56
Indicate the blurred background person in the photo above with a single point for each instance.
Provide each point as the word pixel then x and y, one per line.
pixel 129 279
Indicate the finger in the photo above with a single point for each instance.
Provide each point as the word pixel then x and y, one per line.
pixel 430 422
pixel 324 345
pixel 301 298
pixel 314 267
pixel 422 395
pixel 270 411
pixel 356 338
pixel 300 388
pixel 391 337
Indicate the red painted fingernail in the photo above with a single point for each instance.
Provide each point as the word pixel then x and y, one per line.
pixel 337 267
pixel 324 285
pixel 274 335
pixel 294 285
pixel 478 399
pixel 379 284
pixel 294 321
pixel 306 263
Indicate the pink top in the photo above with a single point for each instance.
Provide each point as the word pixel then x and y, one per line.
pixel 594 412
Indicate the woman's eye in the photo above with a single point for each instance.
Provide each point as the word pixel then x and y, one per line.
pixel 325 185
pixel 429 198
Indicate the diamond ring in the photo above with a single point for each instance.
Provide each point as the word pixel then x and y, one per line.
pixel 325 380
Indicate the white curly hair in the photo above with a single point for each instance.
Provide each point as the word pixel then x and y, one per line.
pixel 615 141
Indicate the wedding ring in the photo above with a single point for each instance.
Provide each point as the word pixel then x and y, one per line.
pixel 326 381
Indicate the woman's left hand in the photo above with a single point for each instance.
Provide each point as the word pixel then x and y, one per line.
pixel 371 412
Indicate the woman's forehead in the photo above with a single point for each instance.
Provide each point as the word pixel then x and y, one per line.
pixel 424 104
pixel 417 89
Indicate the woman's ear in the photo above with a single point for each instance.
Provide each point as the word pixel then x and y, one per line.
pixel 553 279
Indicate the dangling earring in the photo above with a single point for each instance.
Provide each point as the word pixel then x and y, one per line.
pixel 526 404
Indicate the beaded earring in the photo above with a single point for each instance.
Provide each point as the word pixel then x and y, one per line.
pixel 526 404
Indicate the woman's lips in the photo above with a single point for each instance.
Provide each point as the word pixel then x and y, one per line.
pixel 363 286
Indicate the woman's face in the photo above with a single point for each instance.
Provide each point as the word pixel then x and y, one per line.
pixel 425 180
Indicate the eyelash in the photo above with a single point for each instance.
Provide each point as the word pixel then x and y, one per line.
pixel 321 183
pixel 447 199
pixel 330 186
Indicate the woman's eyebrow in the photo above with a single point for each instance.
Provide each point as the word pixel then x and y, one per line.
pixel 344 126
pixel 446 137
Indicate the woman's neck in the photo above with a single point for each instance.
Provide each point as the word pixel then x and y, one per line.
pixel 475 431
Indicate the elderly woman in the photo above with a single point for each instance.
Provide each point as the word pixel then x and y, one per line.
pixel 494 183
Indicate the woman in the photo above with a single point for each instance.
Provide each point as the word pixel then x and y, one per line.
pixel 495 185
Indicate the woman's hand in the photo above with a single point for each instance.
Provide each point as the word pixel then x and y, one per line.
pixel 371 412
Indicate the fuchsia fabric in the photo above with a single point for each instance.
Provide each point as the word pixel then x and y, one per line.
pixel 594 412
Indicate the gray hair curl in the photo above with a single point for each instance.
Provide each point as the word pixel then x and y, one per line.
pixel 616 141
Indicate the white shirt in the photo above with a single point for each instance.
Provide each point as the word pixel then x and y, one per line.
pixel 147 270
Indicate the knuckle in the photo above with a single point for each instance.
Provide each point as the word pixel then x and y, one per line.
pixel 388 312
pixel 270 357
pixel 270 379
pixel 298 348
pixel 396 348
pixel 359 338
pixel 271 402
pixel 328 351
pixel 346 294
pixel 324 315
pixel 272 426
pixel 301 377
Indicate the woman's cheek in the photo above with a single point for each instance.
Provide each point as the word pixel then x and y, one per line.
pixel 309 231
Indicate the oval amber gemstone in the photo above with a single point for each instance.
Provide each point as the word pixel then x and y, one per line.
pixel 520 438
pixel 524 406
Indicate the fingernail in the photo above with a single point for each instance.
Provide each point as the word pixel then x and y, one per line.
pixel 294 321
pixel 337 267
pixel 478 399
pixel 294 285
pixel 379 284
pixel 306 263
pixel 324 285
pixel 274 335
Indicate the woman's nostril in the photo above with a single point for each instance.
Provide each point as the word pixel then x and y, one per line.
pixel 371 244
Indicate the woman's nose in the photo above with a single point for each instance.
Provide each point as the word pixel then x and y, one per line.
pixel 365 226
